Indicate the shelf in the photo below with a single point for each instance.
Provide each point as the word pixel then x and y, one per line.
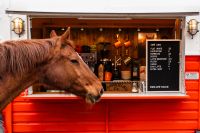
pixel 111 96
pixel 144 96
pixel 122 81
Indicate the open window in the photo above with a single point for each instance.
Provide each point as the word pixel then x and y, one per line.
pixel 139 56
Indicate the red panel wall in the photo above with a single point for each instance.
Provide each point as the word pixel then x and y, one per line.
pixel 110 116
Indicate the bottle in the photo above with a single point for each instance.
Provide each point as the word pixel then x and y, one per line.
pixel 126 65
pixel 134 87
pixel 116 71
pixel 101 72
pixel 135 70
pixel 116 74
pixel 107 69
pixel 108 76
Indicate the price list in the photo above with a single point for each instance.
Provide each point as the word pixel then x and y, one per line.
pixel 163 65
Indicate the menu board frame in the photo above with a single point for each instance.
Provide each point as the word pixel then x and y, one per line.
pixel 181 67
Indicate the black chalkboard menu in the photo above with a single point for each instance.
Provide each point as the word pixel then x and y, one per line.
pixel 163 57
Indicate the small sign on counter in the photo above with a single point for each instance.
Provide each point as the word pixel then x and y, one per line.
pixel 192 75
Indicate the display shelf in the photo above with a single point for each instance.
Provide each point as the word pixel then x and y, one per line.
pixel 117 89
pixel 111 96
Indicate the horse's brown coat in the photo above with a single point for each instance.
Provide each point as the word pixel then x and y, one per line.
pixel 52 62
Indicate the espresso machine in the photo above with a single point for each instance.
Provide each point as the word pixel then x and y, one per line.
pixel 90 59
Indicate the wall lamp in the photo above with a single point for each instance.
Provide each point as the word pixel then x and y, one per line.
pixel 18 26
pixel 193 27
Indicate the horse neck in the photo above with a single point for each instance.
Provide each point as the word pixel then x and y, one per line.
pixel 11 86
pixel 13 82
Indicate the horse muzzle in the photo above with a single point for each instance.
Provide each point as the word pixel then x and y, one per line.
pixel 94 98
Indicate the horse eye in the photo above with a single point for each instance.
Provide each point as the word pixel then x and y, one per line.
pixel 74 62
pixel 63 46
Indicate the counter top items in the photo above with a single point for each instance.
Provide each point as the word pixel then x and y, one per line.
pixel 124 86
pixel 126 75
pixel 85 49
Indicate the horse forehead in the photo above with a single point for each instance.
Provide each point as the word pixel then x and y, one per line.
pixel 72 53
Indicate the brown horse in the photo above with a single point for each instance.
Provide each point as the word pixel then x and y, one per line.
pixel 52 62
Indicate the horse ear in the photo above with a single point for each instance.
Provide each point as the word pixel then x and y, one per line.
pixel 53 34
pixel 66 35
pixel 66 38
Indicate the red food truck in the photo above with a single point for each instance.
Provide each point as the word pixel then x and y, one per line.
pixel 145 53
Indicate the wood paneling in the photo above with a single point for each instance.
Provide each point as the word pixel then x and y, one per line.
pixel 156 131
pixel 192 66
pixel 192 85
pixel 57 127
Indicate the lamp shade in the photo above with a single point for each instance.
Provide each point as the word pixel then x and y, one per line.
pixel 18 26
pixel 193 27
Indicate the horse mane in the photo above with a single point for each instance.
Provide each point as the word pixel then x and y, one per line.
pixel 17 57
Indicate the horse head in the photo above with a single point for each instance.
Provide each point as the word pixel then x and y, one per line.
pixel 67 71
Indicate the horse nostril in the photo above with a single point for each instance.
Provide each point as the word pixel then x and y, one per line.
pixel 93 98
pixel 97 98
pixel 101 91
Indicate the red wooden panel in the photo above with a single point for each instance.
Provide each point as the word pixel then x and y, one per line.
pixel 58 116
pixel 7 114
pixel 161 105
pixel 155 131
pixel 192 85
pixel 153 115
pixel 66 132
pixel 192 58
pixel 56 106
pixel 192 66
pixel 193 95
pixel 51 127
pixel 152 125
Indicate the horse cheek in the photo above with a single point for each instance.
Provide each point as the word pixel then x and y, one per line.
pixel 56 77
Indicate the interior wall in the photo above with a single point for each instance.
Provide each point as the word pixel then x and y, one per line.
pixel 94 32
